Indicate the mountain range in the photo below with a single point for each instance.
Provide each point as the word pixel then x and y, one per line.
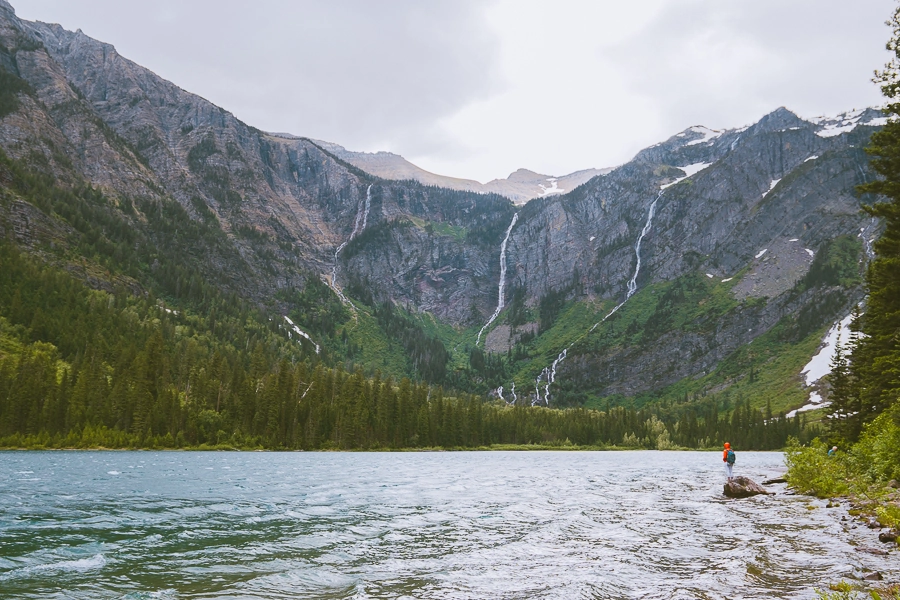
pixel 708 266
pixel 520 187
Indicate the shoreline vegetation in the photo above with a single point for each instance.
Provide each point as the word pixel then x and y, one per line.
pixel 863 480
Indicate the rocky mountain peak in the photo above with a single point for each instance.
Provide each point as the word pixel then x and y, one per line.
pixel 778 119
pixel 520 175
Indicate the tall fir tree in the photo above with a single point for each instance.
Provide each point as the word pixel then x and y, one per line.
pixel 876 359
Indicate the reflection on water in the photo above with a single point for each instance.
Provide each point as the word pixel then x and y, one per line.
pixel 410 525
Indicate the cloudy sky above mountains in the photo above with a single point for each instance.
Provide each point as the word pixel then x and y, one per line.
pixel 479 88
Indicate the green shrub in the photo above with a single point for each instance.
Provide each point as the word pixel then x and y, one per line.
pixel 839 591
pixel 875 455
pixel 812 471
pixel 845 591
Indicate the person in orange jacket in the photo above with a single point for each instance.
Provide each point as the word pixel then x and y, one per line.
pixel 728 459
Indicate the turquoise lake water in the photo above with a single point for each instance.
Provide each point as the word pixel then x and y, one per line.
pixel 413 525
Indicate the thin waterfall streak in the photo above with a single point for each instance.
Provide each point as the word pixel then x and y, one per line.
pixel 512 390
pixel 608 315
pixel 368 204
pixel 632 283
pixel 501 301
pixel 359 225
pixel 867 239
pixel 550 374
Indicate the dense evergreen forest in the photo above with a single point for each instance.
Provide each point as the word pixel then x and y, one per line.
pixel 87 368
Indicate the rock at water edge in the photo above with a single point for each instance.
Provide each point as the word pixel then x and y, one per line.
pixel 743 487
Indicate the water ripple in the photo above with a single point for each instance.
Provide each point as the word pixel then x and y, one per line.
pixel 433 525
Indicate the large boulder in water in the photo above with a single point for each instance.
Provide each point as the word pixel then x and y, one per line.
pixel 743 487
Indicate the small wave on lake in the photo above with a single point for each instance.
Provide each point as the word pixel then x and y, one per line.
pixel 507 525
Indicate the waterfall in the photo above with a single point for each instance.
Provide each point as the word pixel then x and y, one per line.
pixel 867 239
pixel 548 374
pixel 501 288
pixel 359 225
pixel 366 211
pixel 632 283
pixel 512 390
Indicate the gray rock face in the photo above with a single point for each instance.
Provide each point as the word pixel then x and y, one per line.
pixel 769 198
pixel 136 135
pixel 743 487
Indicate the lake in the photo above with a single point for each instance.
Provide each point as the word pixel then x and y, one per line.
pixel 87 524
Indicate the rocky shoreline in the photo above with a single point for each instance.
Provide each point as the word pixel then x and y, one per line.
pixel 860 513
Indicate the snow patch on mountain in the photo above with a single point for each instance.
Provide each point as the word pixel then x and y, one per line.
pixel 689 170
pixel 820 364
pixel 771 187
pixel 552 189
pixel 847 121
pixel 708 135
pixel 300 332
pixel 814 402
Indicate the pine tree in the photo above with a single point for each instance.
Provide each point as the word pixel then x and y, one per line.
pixel 845 420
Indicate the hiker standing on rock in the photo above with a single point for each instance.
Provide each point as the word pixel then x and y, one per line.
pixel 728 459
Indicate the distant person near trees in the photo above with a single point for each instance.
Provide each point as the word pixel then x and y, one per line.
pixel 728 458
pixel 832 451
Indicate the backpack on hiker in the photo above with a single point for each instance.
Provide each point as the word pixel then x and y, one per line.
pixel 729 457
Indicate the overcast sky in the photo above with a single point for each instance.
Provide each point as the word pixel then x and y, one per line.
pixel 479 88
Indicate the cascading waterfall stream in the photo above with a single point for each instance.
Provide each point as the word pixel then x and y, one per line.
pixel 548 375
pixel 865 234
pixel 632 283
pixel 359 225
pixel 502 287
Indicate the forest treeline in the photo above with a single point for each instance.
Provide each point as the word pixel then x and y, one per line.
pixel 88 368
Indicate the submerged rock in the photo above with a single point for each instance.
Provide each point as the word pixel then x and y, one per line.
pixel 888 536
pixel 774 481
pixel 744 487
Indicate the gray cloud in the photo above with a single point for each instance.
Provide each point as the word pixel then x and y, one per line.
pixel 727 63
pixel 356 72
pixel 477 88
